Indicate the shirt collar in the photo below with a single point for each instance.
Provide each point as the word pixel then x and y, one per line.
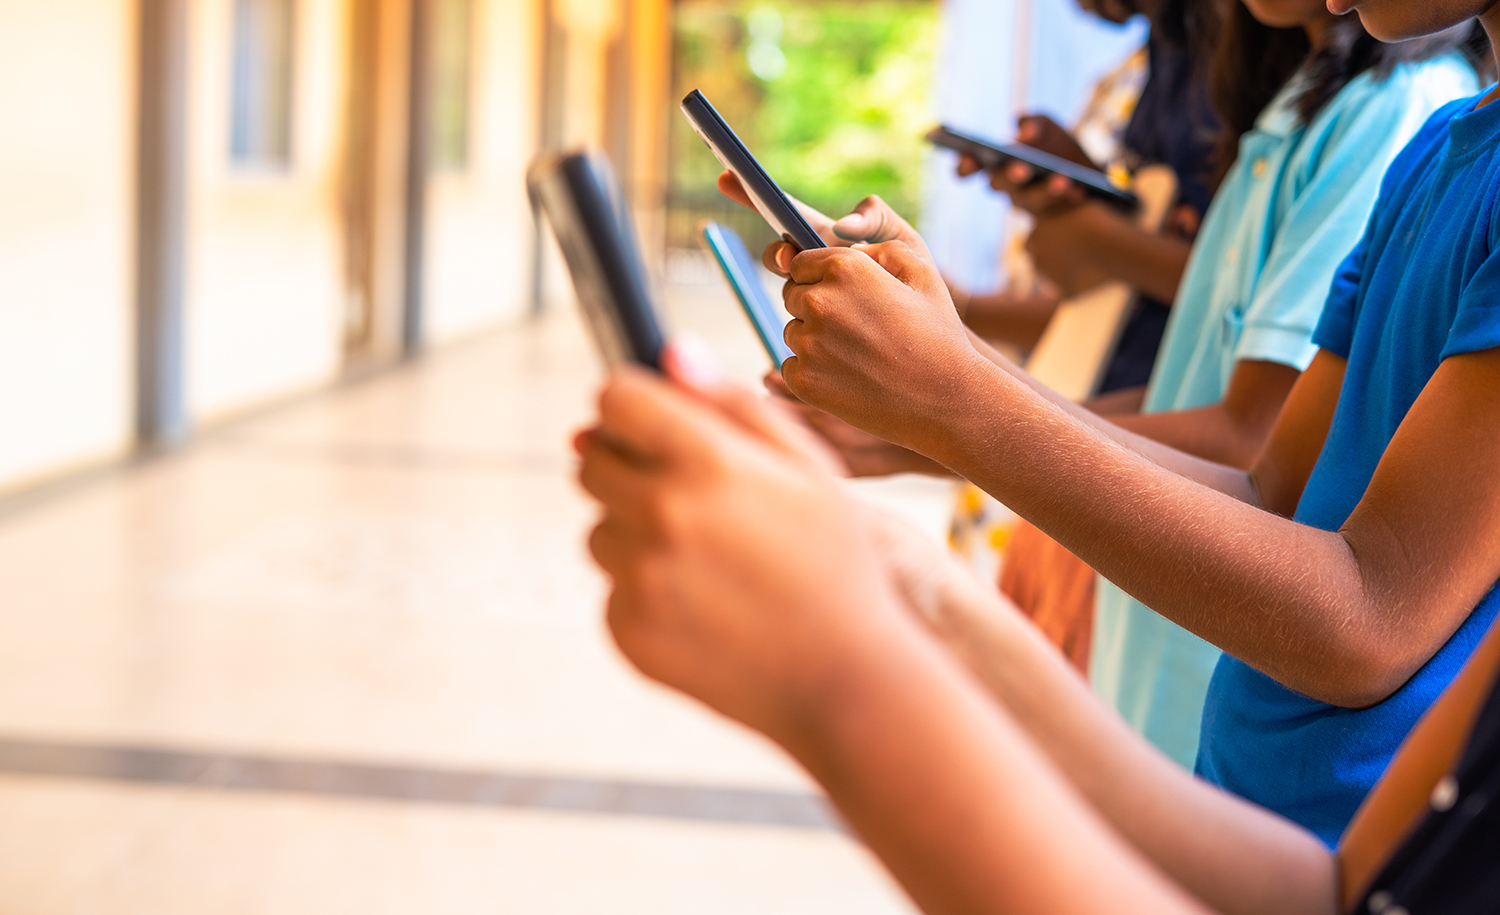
pixel 1281 118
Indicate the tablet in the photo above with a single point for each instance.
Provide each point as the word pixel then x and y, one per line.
pixel 743 274
pixel 770 201
pixel 591 220
pixel 990 155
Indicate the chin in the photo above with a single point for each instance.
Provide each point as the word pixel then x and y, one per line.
pixel 1400 20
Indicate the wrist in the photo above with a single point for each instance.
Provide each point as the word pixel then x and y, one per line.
pixel 855 704
pixel 846 683
pixel 952 395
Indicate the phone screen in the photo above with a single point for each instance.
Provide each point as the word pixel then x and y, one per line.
pixel 743 274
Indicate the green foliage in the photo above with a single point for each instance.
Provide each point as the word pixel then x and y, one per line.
pixel 839 104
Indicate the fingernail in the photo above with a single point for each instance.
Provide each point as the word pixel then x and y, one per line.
pixel 695 362
pixel 784 259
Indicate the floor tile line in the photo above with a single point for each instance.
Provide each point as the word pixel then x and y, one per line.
pixel 476 788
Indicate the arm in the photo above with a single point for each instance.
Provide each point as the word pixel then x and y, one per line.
pixel 1075 248
pixel 1010 317
pixel 1235 856
pixel 1387 590
pixel 1232 431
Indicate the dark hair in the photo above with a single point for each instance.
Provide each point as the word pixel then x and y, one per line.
pixel 1252 63
pixel 1188 23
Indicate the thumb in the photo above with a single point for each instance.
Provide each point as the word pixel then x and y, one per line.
pixel 872 221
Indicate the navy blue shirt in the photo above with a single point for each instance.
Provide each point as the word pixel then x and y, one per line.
pixel 1173 124
pixel 1422 285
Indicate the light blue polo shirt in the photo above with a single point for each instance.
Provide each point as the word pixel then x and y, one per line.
pixel 1293 205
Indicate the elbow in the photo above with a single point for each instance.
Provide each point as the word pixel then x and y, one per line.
pixel 1367 676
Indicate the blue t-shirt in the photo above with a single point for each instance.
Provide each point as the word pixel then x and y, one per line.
pixel 1422 285
pixel 1297 198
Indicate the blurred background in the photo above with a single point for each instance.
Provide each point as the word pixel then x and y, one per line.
pixel 294 610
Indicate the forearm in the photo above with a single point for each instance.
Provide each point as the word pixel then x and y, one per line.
pixel 1226 479
pixel 959 804
pixel 1012 318
pixel 1096 239
pixel 1235 856
pixel 1119 502
pixel 1211 433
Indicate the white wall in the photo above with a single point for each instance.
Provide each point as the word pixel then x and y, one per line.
pixel 479 229
pixel 67 162
pixel 264 262
pixel 998 59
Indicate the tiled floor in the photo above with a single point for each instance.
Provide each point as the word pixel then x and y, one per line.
pixel 386 579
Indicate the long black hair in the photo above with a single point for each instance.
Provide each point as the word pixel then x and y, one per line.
pixel 1252 63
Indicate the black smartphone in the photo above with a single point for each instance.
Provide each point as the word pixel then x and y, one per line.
pixel 591 220
pixel 991 155
pixel 770 201
pixel 743 274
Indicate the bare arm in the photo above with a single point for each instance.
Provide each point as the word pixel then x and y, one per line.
pixel 1235 856
pixel 1076 247
pixel 1010 317
pixel 1231 481
pixel 1232 431
pixel 1343 616
pixel 1413 559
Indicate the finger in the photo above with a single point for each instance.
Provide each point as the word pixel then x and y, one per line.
pixel 1028 129
pixel 778 257
pixel 901 262
pixel 872 221
pixel 730 187
pixel 777 385
pixel 967 165
pixel 646 416
pixel 1020 174
pixel 616 547
pixel 616 481
pixel 814 266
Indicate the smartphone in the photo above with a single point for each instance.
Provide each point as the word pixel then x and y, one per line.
pixel 591 220
pixel 770 201
pixel 743 273
pixel 991 155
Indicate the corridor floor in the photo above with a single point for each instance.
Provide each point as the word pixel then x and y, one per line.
pixel 346 657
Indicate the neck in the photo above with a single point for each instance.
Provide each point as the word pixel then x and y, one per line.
pixel 1490 19
pixel 1317 30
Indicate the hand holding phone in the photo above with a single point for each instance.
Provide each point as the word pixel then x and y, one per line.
pixel 991 156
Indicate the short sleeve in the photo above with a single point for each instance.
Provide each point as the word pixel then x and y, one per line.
pixel 1335 331
pixel 1476 325
pixel 1350 149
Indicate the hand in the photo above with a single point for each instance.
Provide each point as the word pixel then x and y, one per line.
pixel 741 574
pixel 1034 191
pixel 862 454
pixel 1063 248
pixel 871 222
pixel 1038 193
pixel 1041 132
pixel 876 340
